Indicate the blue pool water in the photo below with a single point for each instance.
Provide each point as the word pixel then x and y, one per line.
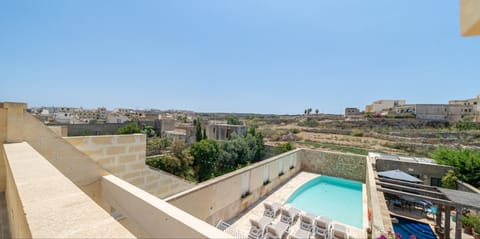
pixel 407 227
pixel 335 198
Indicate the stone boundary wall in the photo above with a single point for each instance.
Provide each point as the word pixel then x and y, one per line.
pixel 463 186
pixel 348 166
pixel 221 198
pixel 124 157
pixel 98 129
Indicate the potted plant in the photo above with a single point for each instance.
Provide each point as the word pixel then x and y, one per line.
pixel 467 222
pixel 476 227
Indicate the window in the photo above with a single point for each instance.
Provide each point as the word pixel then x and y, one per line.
pixel 265 174
pixel 245 182
pixel 437 182
pixel 280 167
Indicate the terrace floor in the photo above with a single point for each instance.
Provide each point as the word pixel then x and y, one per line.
pixel 242 224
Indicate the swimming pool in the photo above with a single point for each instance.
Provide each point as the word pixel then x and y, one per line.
pixel 407 227
pixel 336 198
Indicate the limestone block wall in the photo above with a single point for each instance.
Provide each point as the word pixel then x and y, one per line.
pixel 20 126
pixel 124 157
pixel 154 217
pixel 44 203
pixel 221 197
pixel 349 166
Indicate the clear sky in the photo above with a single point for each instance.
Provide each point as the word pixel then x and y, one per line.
pixel 259 56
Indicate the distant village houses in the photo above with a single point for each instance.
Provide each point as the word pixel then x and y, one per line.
pixel 454 111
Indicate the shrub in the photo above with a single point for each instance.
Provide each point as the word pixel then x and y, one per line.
pixel 450 180
pixel 357 132
pixel 131 128
pixel 283 147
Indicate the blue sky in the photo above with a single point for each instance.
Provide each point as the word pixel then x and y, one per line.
pixel 259 56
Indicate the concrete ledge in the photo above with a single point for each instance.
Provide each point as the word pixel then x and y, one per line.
pixel 46 204
pixel 155 217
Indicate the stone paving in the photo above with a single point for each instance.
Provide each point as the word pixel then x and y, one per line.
pixel 242 224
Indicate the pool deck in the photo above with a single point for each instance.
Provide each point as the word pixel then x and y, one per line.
pixel 242 224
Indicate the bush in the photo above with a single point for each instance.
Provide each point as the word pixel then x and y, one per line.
pixel 131 128
pixel 233 120
pixel 462 125
pixel 450 180
pixel 467 162
pixel 309 123
pixel 357 132
pixel 283 147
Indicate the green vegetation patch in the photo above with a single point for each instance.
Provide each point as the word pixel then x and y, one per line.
pixel 336 147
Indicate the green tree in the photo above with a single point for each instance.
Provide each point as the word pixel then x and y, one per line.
pixel 316 111
pixel 259 145
pixel 148 130
pixel 204 135
pixel 206 154
pixel 131 128
pixel 198 131
pixel 467 162
pixel 233 119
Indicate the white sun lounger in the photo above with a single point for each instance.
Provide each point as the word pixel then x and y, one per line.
pixel 305 228
pixel 322 227
pixel 257 227
pixel 271 209
pixel 289 214
pixel 277 231
pixel 338 232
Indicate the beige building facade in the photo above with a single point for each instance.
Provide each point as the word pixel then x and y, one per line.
pixel 380 106
pixel 470 17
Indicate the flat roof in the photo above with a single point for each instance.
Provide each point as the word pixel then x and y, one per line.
pixel 401 158
pixel 399 175
pixel 463 198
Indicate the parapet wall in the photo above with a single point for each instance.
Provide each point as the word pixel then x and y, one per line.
pixel 463 186
pixel 154 217
pixel 43 203
pixel 124 157
pixel 221 198
pixel 349 166
pixel 20 126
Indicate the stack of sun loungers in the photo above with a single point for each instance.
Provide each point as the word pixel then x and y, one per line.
pixel 310 226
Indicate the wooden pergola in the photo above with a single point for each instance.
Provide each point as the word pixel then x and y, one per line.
pixel 439 196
